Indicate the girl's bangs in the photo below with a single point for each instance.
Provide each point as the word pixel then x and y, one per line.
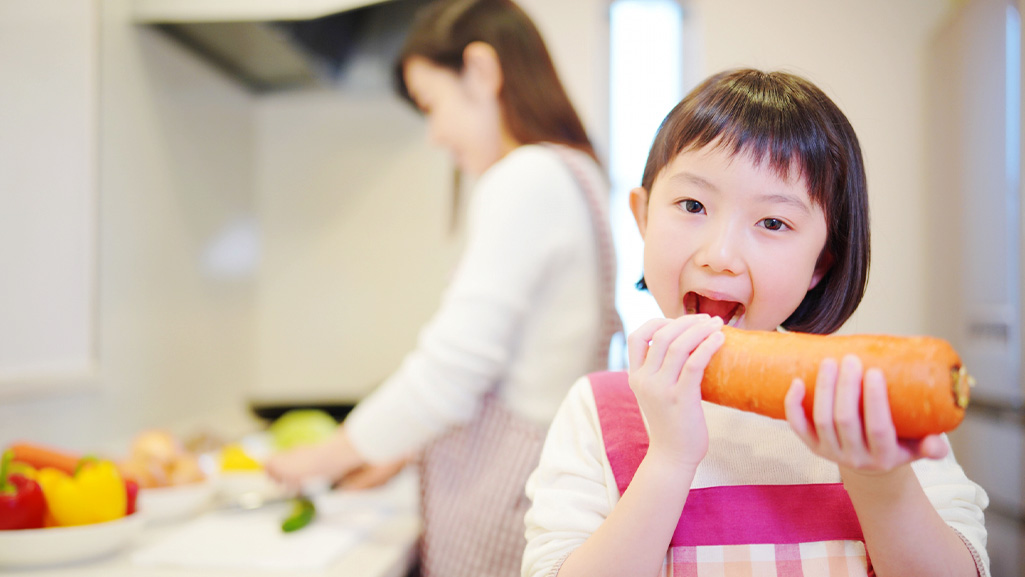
pixel 766 133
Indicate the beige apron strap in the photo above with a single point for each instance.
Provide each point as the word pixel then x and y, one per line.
pixel 597 204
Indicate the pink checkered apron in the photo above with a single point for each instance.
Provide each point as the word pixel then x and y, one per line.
pixel 472 478
pixel 806 530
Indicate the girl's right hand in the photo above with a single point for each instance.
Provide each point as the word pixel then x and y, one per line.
pixel 668 358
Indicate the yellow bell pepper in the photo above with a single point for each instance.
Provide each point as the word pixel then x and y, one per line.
pixel 96 493
pixel 235 458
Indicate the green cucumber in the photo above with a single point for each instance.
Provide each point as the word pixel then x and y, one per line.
pixel 303 511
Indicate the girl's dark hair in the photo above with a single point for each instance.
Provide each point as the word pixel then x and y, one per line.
pixel 534 103
pixel 786 120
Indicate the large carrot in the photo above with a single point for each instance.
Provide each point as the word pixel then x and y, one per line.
pixel 40 456
pixel 928 387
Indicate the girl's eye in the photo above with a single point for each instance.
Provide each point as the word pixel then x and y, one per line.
pixel 773 224
pixel 693 206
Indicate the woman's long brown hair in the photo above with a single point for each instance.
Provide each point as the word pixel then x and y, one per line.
pixel 534 104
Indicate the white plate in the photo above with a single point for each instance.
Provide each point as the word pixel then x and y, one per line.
pixel 233 484
pixel 55 545
pixel 175 502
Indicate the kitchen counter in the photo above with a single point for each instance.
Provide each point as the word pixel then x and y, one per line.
pixel 373 534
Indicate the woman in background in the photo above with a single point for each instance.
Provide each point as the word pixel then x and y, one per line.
pixel 530 307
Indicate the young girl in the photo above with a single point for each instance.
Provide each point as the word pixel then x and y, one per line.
pixel 753 210
pixel 529 309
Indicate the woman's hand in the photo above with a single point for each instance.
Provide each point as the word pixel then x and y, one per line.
pixel 370 476
pixel 667 363
pixel 852 424
pixel 329 460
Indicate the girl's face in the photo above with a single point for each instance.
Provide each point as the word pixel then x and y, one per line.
pixel 462 110
pixel 727 237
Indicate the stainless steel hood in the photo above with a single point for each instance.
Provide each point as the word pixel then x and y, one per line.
pixel 270 44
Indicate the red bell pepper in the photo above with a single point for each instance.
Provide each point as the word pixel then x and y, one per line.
pixel 22 504
pixel 132 494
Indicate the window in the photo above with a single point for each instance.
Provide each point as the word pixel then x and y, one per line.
pixel 646 81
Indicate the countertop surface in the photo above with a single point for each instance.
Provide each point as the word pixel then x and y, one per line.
pixel 370 533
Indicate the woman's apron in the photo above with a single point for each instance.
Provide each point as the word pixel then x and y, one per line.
pixel 472 479
pixel 744 530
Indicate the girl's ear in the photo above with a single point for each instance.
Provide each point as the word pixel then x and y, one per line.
pixel 481 69
pixel 822 266
pixel 639 206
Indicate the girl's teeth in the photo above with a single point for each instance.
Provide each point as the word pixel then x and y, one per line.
pixel 735 318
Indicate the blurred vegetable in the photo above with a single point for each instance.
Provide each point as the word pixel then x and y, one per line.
pixel 303 511
pixel 235 458
pixel 23 469
pixel 131 495
pixel 94 494
pixel 301 427
pixel 40 456
pixel 22 505
pixel 158 459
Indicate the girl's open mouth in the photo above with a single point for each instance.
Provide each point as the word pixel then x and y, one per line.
pixel 729 311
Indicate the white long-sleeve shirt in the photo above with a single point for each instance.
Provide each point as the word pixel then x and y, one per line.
pixel 574 490
pixel 520 316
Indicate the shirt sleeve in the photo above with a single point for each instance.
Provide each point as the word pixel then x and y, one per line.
pixel 573 489
pixel 959 501
pixel 514 240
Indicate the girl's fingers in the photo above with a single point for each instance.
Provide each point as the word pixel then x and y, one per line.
pixel 934 447
pixel 659 341
pixel 793 407
pixel 653 345
pixel 637 343
pixel 880 433
pixel 822 409
pixel 693 369
pixel 685 345
pixel 847 417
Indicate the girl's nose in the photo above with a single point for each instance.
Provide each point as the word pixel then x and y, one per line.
pixel 721 250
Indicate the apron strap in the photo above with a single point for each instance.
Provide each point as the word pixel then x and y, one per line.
pixel 597 205
pixel 622 427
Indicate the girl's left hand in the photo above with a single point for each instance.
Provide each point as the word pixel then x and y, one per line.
pixel 852 424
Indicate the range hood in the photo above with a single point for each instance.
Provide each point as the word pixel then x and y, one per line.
pixel 273 44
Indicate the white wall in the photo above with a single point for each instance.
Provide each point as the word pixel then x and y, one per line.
pixel 175 166
pixel 357 214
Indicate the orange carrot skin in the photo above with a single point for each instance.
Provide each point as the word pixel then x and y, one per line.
pixel 753 371
pixel 39 456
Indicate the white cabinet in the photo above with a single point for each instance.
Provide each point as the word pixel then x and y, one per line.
pixel 48 193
